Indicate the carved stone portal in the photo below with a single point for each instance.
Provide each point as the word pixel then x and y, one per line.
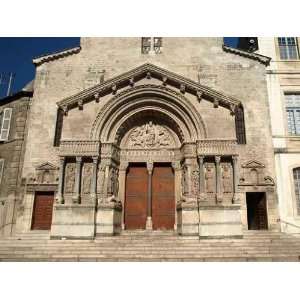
pixel 150 135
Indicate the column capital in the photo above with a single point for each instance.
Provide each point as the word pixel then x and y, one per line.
pixel 150 167
pixel 235 158
pixel 201 158
pixel 78 159
pixel 123 166
pixel 95 159
pixel 62 159
pixel 176 165
pixel 218 159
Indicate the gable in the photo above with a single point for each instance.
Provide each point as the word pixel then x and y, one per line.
pixel 148 71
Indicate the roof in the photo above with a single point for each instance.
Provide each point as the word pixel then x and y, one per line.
pixel 55 55
pixel 265 60
pixel 26 91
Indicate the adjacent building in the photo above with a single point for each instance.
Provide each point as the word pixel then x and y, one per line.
pixel 283 78
pixel 13 116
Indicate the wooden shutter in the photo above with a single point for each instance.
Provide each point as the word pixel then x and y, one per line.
pixel 5 126
pixel 1 168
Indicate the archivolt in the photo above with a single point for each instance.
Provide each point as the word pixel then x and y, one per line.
pixel 158 100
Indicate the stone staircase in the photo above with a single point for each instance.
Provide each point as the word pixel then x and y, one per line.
pixel 155 246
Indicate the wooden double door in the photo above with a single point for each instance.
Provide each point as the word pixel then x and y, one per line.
pixel 162 200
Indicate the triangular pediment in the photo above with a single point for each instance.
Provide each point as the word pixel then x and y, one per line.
pixel 46 166
pixel 132 77
pixel 253 164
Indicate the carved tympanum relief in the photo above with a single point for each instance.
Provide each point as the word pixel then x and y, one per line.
pixel 87 174
pixel 227 179
pixel 210 182
pixel 69 178
pixel 150 135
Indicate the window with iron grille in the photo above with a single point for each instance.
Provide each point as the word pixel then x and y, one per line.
pixel 151 44
pixel 292 104
pixel 296 175
pixel 240 126
pixel 288 48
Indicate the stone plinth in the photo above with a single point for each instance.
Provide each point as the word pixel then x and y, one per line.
pixel 187 218
pixel 74 221
pixel 220 221
pixel 109 218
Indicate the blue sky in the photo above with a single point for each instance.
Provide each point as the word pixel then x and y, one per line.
pixel 16 56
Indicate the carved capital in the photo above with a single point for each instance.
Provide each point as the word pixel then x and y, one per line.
pixel 95 159
pixel 78 159
pixel 150 167
pixel 123 166
pixel 201 159
pixel 176 165
pixel 217 159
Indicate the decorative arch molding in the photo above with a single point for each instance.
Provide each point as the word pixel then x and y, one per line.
pixel 177 110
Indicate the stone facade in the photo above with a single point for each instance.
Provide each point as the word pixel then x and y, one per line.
pixel 101 107
pixel 282 79
pixel 12 154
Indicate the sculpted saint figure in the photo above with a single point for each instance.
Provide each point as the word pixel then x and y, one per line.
pixel 227 180
pixel 87 179
pixel 70 178
pixel 209 179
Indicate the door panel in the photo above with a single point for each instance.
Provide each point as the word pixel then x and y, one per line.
pixel 42 211
pixel 163 197
pixel 136 197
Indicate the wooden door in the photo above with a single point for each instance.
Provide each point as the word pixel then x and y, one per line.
pixel 136 197
pixel 42 211
pixel 257 211
pixel 163 197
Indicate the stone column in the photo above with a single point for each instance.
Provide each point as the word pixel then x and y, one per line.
pixel 177 172
pixel 94 179
pixel 149 203
pixel 60 198
pixel 235 179
pixel 122 180
pixel 201 177
pixel 218 179
pixel 76 195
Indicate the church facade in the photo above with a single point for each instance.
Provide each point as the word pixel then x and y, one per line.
pixel 149 134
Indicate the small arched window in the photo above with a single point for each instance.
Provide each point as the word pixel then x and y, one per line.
pixel 58 127
pixel 240 125
pixel 296 175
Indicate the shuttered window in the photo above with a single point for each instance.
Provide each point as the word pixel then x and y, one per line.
pixel 292 104
pixel 153 44
pixel 288 48
pixel 5 124
pixel 296 175
pixel 1 168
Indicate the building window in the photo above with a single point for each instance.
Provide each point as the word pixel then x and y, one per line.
pixel 296 175
pixel 151 44
pixel 292 103
pixel 5 117
pixel 288 48
pixel 240 126
pixel 58 128
pixel 1 168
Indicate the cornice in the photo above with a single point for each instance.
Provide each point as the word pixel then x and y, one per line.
pixel 53 56
pixel 148 70
pixel 265 60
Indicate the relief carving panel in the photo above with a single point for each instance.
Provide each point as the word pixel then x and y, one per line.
pixel 148 136
pixel 87 173
pixel 210 181
pixel 227 178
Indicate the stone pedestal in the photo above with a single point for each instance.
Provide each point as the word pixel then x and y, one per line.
pixel 109 218
pixel 74 221
pixel 187 218
pixel 220 221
